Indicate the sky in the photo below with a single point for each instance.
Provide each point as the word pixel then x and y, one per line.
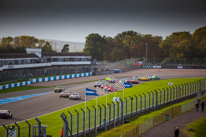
pixel 74 20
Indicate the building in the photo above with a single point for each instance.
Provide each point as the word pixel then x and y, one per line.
pixel 36 63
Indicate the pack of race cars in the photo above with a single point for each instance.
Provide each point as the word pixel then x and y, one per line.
pixel 104 86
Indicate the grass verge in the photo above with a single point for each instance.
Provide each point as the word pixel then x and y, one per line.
pixel 55 123
pixel 196 129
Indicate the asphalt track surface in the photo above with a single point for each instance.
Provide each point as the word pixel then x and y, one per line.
pixel 44 104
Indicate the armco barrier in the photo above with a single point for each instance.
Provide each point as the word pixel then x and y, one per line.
pixel 44 80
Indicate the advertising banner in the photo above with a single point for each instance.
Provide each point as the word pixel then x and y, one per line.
pixel 156 66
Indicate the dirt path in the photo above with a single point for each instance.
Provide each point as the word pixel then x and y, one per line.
pixel 166 129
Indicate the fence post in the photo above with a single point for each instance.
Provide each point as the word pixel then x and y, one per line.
pixel 109 114
pixel 95 120
pixel 149 101
pixel 84 131
pixel 77 122
pixel 164 96
pixel 18 129
pixel 167 94
pixel 65 126
pixel 126 108
pixel 153 101
pixel 136 105
pixel 39 123
pixel 89 119
pixel 156 100
pixel 160 98
pixel 170 95
pixel 144 103
pixel 29 128
pixel 105 117
pixel 100 118
pixel 131 106
pixel 118 112
pixel 122 111
pixel 114 114
pixel 71 121
pixel 140 104
pixel 176 90
pixel 7 132
pixel 173 90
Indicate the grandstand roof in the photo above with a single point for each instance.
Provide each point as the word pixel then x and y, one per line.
pixel 64 54
pixel 17 55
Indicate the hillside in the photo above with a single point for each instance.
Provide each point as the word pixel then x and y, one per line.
pixel 73 46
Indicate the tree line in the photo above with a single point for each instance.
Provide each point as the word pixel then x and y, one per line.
pixel 19 44
pixel 130 44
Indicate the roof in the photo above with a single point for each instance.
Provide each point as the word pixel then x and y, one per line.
pixel 64 54
pixel 18 55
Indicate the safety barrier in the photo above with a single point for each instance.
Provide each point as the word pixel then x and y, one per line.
pixel 36 80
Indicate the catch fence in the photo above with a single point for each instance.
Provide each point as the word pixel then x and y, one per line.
pixel 151 122
pixel 107 116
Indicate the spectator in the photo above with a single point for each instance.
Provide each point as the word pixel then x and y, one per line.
pixel 197 106
pixel 62 131
pixel 203 105
pixel 177 132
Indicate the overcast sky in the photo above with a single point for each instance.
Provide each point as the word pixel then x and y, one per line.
pixel 74 20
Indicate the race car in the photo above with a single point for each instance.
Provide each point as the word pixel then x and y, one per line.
pixel 138 77
pixel 134 81
pixel 144 78
pixel 122 81
pixel 64 94
pixel 148 77
pixel 75 96
pixel 112 80
pixel 110 88
pixel 108 78
pixel 155 77
pixel 127 80
pixel 97 84
pixel 5 114
pixel 103 85
pixel 59 89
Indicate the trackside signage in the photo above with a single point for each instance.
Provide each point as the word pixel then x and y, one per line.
pixel 156 66
pixel 115 99
pixel 170 83
pixel 180 67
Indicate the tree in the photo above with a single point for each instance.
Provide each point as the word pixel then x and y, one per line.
pixel 95 46
pixel 199 39
pixel 47 47
pixel 118 54
pixel 65 48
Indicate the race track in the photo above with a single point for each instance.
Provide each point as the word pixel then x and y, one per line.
pixel 40 105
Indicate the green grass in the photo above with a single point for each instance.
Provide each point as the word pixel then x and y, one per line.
pixel 197 128
pixel 22 88
pixel 55 123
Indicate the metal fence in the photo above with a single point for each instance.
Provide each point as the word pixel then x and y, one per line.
pixel 171 113
pixel 31 128
pixel 153 61
pixel 107 116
